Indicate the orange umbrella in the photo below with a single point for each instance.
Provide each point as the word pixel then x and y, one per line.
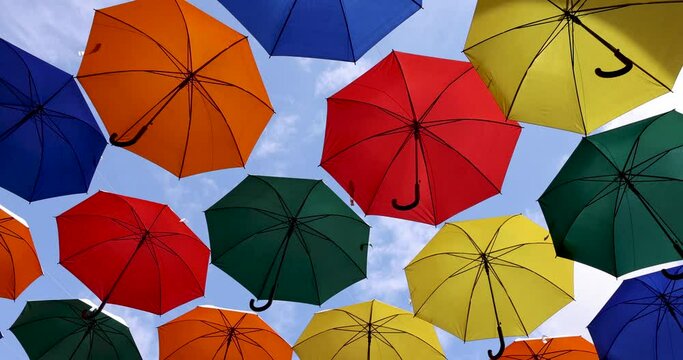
pixel 559 348
pixel 19 265
pixel 208 333
pixel 175 86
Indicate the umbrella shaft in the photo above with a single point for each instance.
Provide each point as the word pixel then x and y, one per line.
pixel 578 21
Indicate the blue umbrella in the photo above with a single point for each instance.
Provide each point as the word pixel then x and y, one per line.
pixel 323 29
pixel 49 140
pixel 642 320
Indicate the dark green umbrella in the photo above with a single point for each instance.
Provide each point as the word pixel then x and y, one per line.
pixel 58 329
pixel 287 239
pixel 617 203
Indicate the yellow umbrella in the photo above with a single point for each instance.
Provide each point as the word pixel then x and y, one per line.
pixel 575 65
pixel 369 330
pixel 476 276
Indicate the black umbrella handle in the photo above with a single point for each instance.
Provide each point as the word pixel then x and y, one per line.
pixel 114 141
pixel 671 276
pixel 264 307
pixel 410 206
pixel 502 346
pixel 628 65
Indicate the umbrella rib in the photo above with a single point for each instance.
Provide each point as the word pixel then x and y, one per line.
pixel 351 340
pixel 57 131
pixel 458 272
pixel 51 113
pixel 300 237
pixel 15 92
pixel 284 25
pixel 213 81
pixel 170 250
pixel 187 34
pixel 489 246
pixel 438 139
pixel 469 304
pixel 175 61
pixel 438 97
pixel 392 131
pixel 193 340
pixel 572 50
pixel 40 132
pixel 283 204
pixel 543 21
pixel 405 82
pixel 403 332
pixel 348 31
pixel 268 213
pixel 317 233
pixel 591 11
pixel 386 172
pixel 134 237
pixel 500 282
pixel 32 84
pixel 553 35
pixel 4 244
pixel 518 266
pixel 441 122
pixel 250 237
pixel 321 217
pixel 430 185
pixel 635 317
pixel 190 100
pixel 172 74
pixel 404 120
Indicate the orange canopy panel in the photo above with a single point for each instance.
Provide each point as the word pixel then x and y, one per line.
pixel 559 348
pixel 19 265
pixel 175 86
pixel 214 333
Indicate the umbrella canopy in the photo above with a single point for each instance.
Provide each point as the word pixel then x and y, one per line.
pixel 46 126
pixel 57 329
pixel 559 348
pixel 418 138
pixel 132 252
pixel 325 29
pixel 19 265
pixel 476 275
pixel 288 239
pixel 575 65
pixel 369 330
pixel 642 320
pixel 616 203
pixel 174 85
pixel 214 333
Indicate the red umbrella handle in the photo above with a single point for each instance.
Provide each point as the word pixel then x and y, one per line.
pixel 410 206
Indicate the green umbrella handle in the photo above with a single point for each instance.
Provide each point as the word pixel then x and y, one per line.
pixel 410 206
pixel 628 65
pixel 502 346
pixel 671 276
pixel 114 141
pixel 252 305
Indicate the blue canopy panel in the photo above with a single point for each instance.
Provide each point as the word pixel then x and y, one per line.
pixel 49 140
pixel 325 29
pixel 642 320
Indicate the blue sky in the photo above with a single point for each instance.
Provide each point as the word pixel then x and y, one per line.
pixel 291 146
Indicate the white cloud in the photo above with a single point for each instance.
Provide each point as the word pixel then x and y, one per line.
pixel 662 104
pixel 335 77
pixel 280 132
pixel 394 243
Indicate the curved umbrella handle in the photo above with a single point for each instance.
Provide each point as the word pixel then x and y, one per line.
pixel 252 305
pixel 135 139
pixel 410 206
pixel 671 276
pixel 502 346
pixel 628 65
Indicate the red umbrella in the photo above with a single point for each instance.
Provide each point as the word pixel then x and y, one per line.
pixel 418 138
pixel 132 252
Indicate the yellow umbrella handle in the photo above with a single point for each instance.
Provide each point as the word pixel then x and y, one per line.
pixel 628 65
pixel 502 346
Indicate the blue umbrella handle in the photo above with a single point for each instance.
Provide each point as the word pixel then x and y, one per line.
pixel 252 305
pixel 502 346
pixel 114 141
pixel 410 206
pixel 671 276
pixel 628 65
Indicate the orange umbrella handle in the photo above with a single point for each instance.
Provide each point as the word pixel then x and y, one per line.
pixel 135 139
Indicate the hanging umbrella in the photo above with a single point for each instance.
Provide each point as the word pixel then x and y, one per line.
pixel 616 203
pixel 642 320
pixel 50 139
pixel 214 333
pixel 19 265
pixel 132 252
pixel 557 348
pixel 58 329
pixel 575 65
pixel 418 138
pixel 479 275
pixel 325 29
pixel 287 239
pixel 369 330
pixel 174 86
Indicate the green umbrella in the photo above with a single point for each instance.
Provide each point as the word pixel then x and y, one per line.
pixel 287 239
pixel 58 329
pixel 617 203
